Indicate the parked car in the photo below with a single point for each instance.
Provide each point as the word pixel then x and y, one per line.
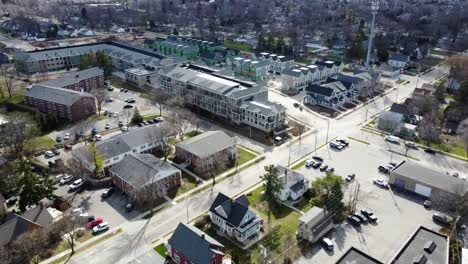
pixel 317 158
pixel 393 164
pixel 67 136
pixel 128 106
pixel 125 90
pixel 145 123
pixel 427 203
pixel 309 163
pixel 124 128
pixel 354 220
pixel 327 243
pixel 108 192
pixel 160 119
pixel 121 123
pixel 78 211
pixel 101 227
pixel 392 139
pixel 361 217
pixel 97 137
pixel 109 100
pixel 107 126
pixel 369 214
pixel 68 147
pixel 131 101
pixel 66 179
pixel 155 120
pixel 11 200
pixel 430 151
pixel 323 167
pixel 76 185
pixel 455 174
pixel 442 218
pixel 350 177
pixel 129 207
pixel 296 104
pixel 330 170
pixel 140 124
pixel 94 222
pixel 336 145
pixel 58 139
pixel 56 152
pixel 49 154
pixel 150 121
pixel 317 164
pixel 381 183
pixel 384 169
pixel 410 144
pixel 343 142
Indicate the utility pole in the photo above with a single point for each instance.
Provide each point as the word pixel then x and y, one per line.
pixel 374 9
pixel 396 96
pixel 289 157
pixel 186 202
pixel 417 78
pixel 315 148
pixel 328 129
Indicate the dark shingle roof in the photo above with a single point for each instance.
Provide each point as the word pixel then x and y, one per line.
pixel 38 215
pixel 234 209
pixel 55 94
pixel 194 244
pixel 399 57
pixel 400 108
pixel 13 228
pixel 318 89
pixel 73 78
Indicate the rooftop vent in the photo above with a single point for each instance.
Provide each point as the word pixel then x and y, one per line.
pixel 421 259
pixel 430 246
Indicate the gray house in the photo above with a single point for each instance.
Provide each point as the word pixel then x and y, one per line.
pixel 314 224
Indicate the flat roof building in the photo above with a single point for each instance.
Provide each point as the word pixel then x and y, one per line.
pixel 356 256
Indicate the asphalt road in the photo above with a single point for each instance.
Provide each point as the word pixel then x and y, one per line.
pixel 137 235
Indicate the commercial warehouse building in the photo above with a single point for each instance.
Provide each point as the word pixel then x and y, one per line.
pixel 436 185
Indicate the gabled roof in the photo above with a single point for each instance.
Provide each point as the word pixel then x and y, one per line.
pixel 348 78
pixel 141 169
pixel 292 72
pixel 400 108
pixel 399 57
pixel 234 209
pixel 39 215
pixel 194 244
pixel 15 227
pixel 55 94
pixel 263 107
pixel 318 89
pixel 207 144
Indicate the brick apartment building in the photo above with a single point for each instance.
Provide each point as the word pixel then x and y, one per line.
pixel 81 81
pixel 67 104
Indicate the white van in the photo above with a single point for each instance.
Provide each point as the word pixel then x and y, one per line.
pixel 392 139
pixel 327 243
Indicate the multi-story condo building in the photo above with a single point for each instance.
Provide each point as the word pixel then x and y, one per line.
pixel 188 48
pixel 84 81
pixel 123 56
pixel 65 103
pixel 237 102
pixel 333 94
pixel 253 69
pixel 278 63
pixel 297 79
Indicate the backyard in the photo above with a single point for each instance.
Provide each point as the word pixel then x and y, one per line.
pixel 238 45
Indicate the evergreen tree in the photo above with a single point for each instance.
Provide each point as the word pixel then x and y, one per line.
pixel 272 184
pixel 137 118
pixel 32 187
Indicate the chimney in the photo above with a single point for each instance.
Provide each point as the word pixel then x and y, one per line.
pixel 77 75
pixel 203 236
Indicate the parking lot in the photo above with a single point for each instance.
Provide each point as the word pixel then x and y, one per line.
pixel 111 209
pixel 398 214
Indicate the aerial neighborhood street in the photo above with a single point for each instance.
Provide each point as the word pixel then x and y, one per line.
pixel 228 132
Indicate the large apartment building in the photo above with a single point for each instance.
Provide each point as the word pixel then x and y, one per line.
pixel 123 56
pixel 237 102
pixel 67 104
pixel 82 81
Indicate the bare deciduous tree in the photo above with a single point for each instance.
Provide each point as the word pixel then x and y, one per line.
pixel 429 128
pixel 7 80
pixel 16 132
pixel 101 96
pixel 161 98
pixel 70 227
pixel 463 133
pixel 180 119
pixel 126 116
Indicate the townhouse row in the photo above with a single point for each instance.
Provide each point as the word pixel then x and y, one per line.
pixel 237 102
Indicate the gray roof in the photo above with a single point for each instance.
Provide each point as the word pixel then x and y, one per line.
pixel 55 94
pixel 348 78
pixel 311 214
pixel 14 228
pixel 263 107
pixel 399 57
pixel 430 177
pixel 355 256
pixel 420 245
pixel 248 91
pixel 234 209
pixel 292 72
pixel 319 89
pixel 39 215
pixel 139 170
pixel 73 78
pixel 194 244
pixel 207 144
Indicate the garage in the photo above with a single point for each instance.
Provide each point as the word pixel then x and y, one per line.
pixel 423 190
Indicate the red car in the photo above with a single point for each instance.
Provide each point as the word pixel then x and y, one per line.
pixel 94 223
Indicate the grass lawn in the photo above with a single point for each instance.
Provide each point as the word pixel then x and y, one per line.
pixel 62 246
pixel 298 165
pixel 359 140
pixel 161 249
pixel 192 134
pixel 238 45
pixel 16 98
pixel 87 235
pixel 400 81
pixel 452 147
pixel 120 84
pixel 441 52
pixel 39 143
pixel 244 156
pixel 188 183
pixel 251 150
pixel 150 117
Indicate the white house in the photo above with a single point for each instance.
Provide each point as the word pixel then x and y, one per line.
pixel 294 184
pixel 234 219
pixel 399 60
pixel 140 76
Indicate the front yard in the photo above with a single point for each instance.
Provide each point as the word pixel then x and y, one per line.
pixel 450 144
pixel 188 183
pixel 244 156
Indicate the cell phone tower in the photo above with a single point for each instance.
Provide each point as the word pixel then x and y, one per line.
pixel 374 10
